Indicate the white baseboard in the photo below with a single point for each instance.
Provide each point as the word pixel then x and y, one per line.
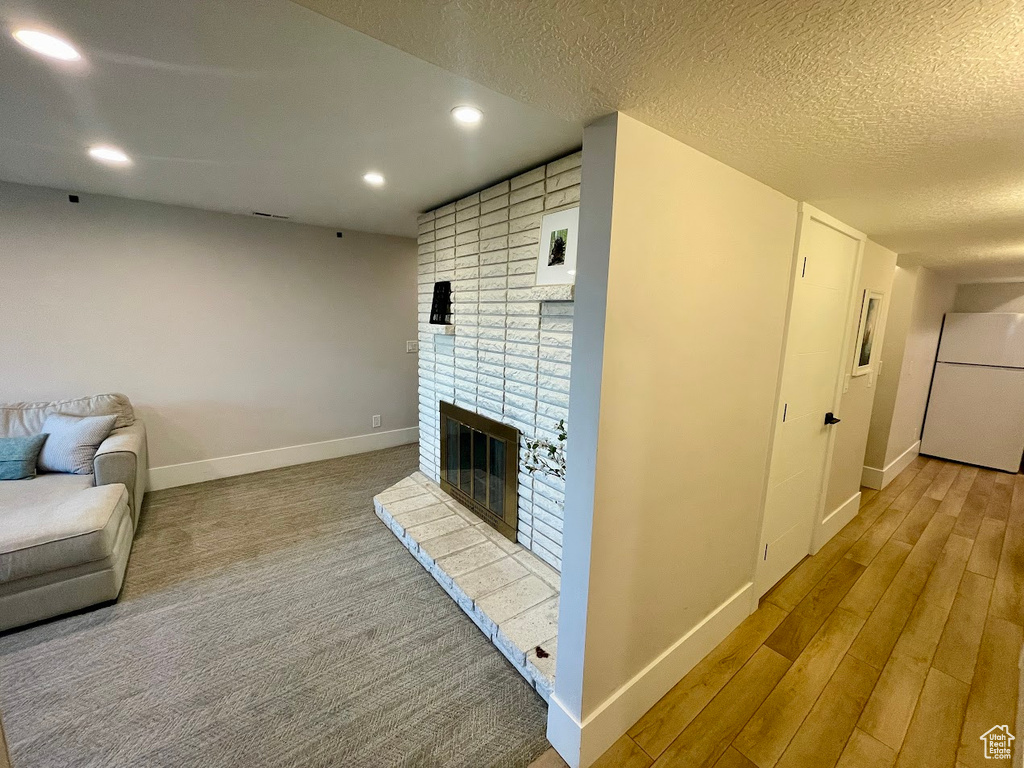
pixel 873 477
pixel 564 730
pixel 580 744
pixel 834 522
pixel 244 463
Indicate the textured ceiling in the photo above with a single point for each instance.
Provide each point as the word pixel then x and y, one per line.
pixel 252 105
pixel 904 118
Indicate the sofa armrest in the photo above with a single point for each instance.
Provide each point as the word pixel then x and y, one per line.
pixel 123 458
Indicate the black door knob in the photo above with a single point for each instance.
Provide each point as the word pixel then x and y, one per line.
pixel 830 418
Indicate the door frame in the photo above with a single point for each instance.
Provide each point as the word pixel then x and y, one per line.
pixel 805 214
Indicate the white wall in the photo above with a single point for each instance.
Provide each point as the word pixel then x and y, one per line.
pixel 598 181
pixel 921 299
pixel 855 410
pixel 680 382
pixel 897 326
pixel 989 297
pixel 230 334
pixel 933 299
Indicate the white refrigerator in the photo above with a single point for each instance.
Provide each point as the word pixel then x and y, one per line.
pixel 976 407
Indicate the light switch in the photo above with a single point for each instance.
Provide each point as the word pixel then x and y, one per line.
pixel 412 346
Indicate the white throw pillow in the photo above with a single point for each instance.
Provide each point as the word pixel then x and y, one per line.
pixel 73 442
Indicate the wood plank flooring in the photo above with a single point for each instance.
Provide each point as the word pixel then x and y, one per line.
pixel 5 760
pixel 895 646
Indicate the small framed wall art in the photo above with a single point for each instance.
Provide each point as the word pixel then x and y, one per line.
pixel 870 317
pixel 556 261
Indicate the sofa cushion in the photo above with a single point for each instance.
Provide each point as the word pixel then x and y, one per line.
pixel 18 456
pixel 43 492
pixel 72 442
pixel 24 419
pixel 63 526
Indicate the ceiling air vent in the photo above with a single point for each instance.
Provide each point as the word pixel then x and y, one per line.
pixel 263 215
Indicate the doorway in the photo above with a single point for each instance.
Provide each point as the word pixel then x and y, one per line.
pixel 825 274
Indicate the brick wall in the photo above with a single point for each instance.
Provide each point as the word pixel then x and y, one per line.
pixel 509 357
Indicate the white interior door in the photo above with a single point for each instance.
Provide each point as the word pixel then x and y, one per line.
pixel 826 272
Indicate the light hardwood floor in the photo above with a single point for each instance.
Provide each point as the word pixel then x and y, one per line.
pixel 5 760
pixel 895 646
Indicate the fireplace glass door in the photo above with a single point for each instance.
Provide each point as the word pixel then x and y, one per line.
pixel 479 466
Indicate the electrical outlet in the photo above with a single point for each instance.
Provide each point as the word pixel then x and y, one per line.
pixel 376 422
pixel 412 346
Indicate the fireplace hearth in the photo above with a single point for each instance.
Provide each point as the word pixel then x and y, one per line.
pixel 479 466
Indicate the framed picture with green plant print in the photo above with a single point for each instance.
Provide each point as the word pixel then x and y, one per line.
pixel 556 261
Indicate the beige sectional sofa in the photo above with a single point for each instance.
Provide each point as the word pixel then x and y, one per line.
pixel 65 539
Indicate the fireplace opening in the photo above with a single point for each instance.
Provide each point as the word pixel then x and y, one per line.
pixel 479 466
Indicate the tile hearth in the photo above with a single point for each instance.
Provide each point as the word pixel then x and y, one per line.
pixel 508 592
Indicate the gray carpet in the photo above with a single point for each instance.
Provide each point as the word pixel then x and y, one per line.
pixel 269 620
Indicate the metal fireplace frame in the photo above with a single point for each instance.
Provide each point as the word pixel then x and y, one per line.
pixel 508 523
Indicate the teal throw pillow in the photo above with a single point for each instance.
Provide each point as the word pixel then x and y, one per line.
pixel 18 456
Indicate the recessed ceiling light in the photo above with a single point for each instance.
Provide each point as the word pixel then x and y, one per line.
pixel 374 179
pixel 109 155
pixel 467 115
pixel 47 45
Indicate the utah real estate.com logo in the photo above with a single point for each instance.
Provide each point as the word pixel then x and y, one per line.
pixel 997 742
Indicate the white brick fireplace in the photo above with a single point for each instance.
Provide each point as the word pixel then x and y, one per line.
pixel 505 356
pixel 507 353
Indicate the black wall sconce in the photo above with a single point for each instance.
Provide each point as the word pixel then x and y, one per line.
pixel 441 306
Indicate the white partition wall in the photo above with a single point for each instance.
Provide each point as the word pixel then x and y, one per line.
pixel 682 286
